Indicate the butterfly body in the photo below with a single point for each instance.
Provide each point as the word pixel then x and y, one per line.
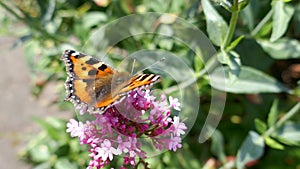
pixel 96 85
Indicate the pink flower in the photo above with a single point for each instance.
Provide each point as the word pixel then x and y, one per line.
pixel 106 151
pixel 75 128
pixel 178 127
pixel 117 130
pixel 140 99
pixel 159 112
pixel 174 102
pixel 129 160
pixel 123 145
pixel 174 143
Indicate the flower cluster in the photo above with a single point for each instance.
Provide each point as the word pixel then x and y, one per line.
pixel 118 131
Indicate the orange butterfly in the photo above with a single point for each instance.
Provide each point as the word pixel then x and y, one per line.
pixel 96 85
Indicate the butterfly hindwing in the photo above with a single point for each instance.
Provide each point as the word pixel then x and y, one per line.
pixel 140 80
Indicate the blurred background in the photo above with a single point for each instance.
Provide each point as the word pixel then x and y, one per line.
pixel 18 104
pixel 256 41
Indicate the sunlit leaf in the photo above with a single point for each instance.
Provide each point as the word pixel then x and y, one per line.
pixel 234 63
pixel 45 165
pixel 93 19
pixel 64 163
pixel 272 116
pixel 265 30
pixel 216 26
pixel 284 48
pixel 217 146
pixel 251 149
pixel 260 126
pixel 235 42
pixel 232 60
pixel 274 144
pixel 50 128
pixel 289 133
pixel 250 80
pixel 40 153
pixel 281 18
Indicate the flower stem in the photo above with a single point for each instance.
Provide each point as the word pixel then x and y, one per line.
pixel 144 163
pixel 232 25
pixel 262 23
pixel 213 60
pixel 286 117
pixel 32 24
pixel 11 11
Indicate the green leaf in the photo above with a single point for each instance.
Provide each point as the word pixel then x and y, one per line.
pixel 40 153
pixel 296 22
pixel 274 144
pixel 229 4
pixel 223 57
pixel 216 26
pixel 247 15
pixel 265 30
pixel 45 165
pixel 52 27
pixel 284 48
pixel 260 126
pixel 93 19
pixel 62 150
pixel 272 116
pixel 235 42
pixel 217 146
pixel 166 44
pixel 185 159
pixel 63 163
pixel 232 59
pixel 281 18
pixel 47 9
pixel 234 63
pixel 51 129
pixel 251 149
pixel 57 123
pixel 249 81
pixel 289 133
pixel 198 63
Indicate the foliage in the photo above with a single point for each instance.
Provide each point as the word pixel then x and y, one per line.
pixel 53 148
pixel 257 42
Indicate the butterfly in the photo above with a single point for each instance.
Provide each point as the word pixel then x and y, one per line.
pixel 94 84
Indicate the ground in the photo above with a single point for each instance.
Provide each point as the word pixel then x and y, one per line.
pixel 18 106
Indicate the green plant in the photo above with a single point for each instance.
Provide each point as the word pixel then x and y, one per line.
pixel 53 148
pixel 257 42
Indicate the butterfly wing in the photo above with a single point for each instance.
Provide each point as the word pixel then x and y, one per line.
pixel 140 80
pixel 90 81
pixel 97 85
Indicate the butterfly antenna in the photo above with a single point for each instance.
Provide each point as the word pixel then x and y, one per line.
pixel 160 60
pixel 132 68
